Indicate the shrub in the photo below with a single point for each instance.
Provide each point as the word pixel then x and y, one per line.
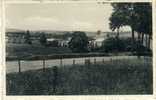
pixel 123 45
pixel 113 45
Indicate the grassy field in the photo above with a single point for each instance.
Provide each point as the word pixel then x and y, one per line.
pixel 39 52
pixel 117 77
pixel 21 50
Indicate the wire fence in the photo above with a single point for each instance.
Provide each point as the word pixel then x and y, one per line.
pixel 24 65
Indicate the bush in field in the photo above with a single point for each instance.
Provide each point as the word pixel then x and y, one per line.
pixel 79 42
pixel 137 47
pixel 113 45
pixel 141 50
pixel 123 45
pixel 53 43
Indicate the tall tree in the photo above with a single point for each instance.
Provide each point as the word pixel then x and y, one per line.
pixel 128 14
pixel 135 15
pixel 79 42
pixel 117 19
pixel 145 21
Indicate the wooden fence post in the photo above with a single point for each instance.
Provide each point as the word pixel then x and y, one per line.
pixel 87 62
pixel 103 60
pixel 94 60
pixel 19 66
pixel 43 64
pixel 111 59
pixel 73 62
pixel 61 62
pixel 55 74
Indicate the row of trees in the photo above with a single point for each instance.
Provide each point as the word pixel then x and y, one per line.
pixel 138 16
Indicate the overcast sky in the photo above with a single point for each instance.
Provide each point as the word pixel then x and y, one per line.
pixel 68 17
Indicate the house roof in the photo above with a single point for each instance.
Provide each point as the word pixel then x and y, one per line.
pixel 51 39
pixel 99 39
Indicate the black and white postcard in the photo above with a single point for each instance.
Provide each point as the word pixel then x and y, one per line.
pixel 88 50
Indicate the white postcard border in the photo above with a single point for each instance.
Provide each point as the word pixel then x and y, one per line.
pixel 78 97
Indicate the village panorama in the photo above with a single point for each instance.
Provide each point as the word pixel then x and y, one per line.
pixel 92 49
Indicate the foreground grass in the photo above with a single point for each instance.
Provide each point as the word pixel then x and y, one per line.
pixel 117 77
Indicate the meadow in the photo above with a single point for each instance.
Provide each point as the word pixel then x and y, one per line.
pixel 24 50
pixel 111 77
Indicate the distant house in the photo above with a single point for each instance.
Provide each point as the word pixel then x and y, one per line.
pixel 64 43
pixel 97 40
pixel 50 40
pixel 96 43
pixel 57 42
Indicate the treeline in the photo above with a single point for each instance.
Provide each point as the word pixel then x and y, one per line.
pixel 138 16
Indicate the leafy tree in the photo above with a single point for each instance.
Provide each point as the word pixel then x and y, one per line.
pixel 43 39
pixel 145 21
pixel 79 42
pixel 117 20
pixel 27 37
pixel 123 15
pixel 136 15
pixel 53 43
